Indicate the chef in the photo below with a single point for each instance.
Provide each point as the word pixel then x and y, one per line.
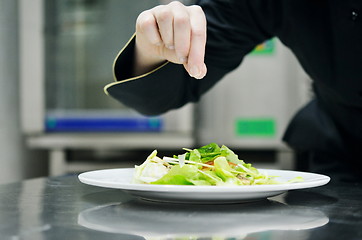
pixel 179 52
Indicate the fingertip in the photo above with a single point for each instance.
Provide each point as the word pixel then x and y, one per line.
pixel 197 72
pixel 203 71
pixel 194 71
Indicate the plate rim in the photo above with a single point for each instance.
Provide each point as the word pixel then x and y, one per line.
pixel 319 180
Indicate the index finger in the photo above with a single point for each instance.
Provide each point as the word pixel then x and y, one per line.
pixel 195 64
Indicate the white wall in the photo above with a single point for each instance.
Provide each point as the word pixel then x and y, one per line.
pixel 16 162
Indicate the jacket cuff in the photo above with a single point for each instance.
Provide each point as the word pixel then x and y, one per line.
pixel 123 65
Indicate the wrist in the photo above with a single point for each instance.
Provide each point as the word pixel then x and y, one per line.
pixel 144 62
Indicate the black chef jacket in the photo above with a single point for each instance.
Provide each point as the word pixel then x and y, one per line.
pixel 326 38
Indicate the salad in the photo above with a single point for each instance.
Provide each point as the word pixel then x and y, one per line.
pixel 210 165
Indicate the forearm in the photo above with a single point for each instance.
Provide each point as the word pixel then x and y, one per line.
pixel 161 89
pixel 144 62
pixel 170 86
pixel 149 93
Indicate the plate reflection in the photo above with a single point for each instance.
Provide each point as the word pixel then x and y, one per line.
pixel 153 220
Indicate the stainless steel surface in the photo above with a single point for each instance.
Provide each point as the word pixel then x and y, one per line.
pixel 111 141
pixel 64 208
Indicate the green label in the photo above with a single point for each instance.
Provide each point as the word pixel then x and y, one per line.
pixel 255 127
pixel 265 48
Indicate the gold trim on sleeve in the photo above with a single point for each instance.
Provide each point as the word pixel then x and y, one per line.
pixel 128 79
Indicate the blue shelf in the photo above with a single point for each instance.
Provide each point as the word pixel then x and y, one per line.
pixel 99 124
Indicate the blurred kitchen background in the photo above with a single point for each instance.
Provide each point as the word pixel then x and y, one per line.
pixel 56 56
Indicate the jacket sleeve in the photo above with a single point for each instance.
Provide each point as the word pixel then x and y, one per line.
pixel 233 30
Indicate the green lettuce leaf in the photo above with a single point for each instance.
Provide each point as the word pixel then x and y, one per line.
pixel 180 176
pixel 225 172
pixel 189 175
pixel 209 152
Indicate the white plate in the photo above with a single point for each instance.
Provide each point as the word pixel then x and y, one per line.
pixel 121 179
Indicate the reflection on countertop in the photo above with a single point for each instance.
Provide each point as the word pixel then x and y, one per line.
pixel 153 220
pixel 63 208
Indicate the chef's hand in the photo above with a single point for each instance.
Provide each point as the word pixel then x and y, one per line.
pixel 172 32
